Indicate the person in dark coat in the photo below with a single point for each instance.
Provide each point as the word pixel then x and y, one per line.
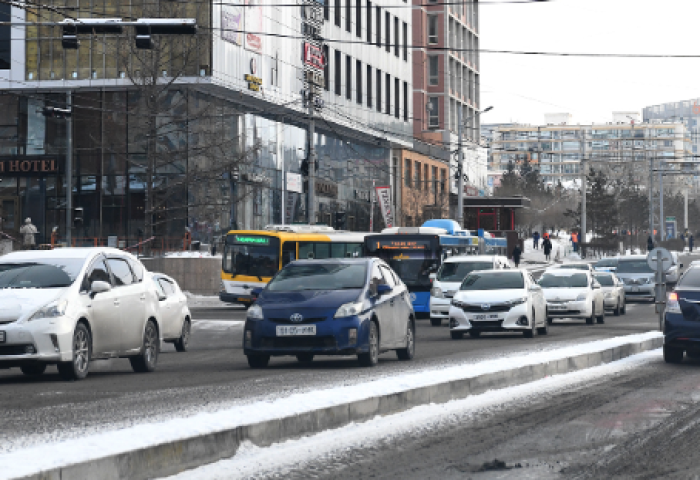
pixel 516 255
pixel 547 247
pixel 536 240
pixel 650 244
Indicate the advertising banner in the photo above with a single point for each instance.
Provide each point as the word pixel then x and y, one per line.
pixel 294 183
pixel 254 26
pixel 384 200
pixel 232 22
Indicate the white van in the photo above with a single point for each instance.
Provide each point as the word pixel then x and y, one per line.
pixel 449 277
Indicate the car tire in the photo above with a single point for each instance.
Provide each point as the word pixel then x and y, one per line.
pixel 618 309
pixel 591 320
pixel 474 333
pixel 147 359
pixel 78 368
pixel 184 340
pixel 530 333
pixel 258 361
pixel 371 358
pixel 673 355
pixel 543 330
pixel 33 369
pixel 460 335
pixel 409 352
pixel 601 318
pixel 623 311
pixel 435 322
pixel 305 357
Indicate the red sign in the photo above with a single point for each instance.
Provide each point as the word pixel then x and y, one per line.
pixel 313 56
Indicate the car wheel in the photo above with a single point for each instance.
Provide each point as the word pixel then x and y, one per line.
pixel 258 361
pixel 410 350
pixel 474 333
pixel 591 319
pixel 371 358
pixel 78 368
pixel 616 312
pixel 673 355
pixel 601 317
pixel 460 335
pixel 33 369
pixel 148 358
pixel 624 307
pixel 182 342
pixel 543 330
pixel 435 322
pixel 305 357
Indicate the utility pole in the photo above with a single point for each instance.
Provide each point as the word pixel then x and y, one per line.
pixel 651 191
pixel 662 219
pixel 460 172
pixel 69 171
pixel 311 205
pixel 584 186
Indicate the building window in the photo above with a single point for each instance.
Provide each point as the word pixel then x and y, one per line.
pixel 396 37
pixel 387 34
pixel 443 180
pixel 435 180
pixel 358 80
pixel 358 18
pixel 397 93
pixel 379 90
pixel 6 40
pixel 432 29
pixel 338 77
pixel 326 68
pixel 348 77
pixel 387 84
pixel 418 180
pixel 405 42
pixel 405 101
pixel 369 86
pixel 426 178
pixel 433 112
pixel 379 26
pixel 336 12
pixel 407 172
pixel 326 11
pixel 348 15
pixel 369 22
pixel 433 70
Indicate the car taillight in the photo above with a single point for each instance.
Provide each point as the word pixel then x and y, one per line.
pixel 672 305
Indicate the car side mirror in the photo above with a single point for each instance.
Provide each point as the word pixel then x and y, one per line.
pixel 161 297
pixel 433 276
pixel 383 289
pixel 595 286
pixel 99 287
pixel 535 288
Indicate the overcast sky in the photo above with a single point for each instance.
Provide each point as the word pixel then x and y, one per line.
pixel 522 88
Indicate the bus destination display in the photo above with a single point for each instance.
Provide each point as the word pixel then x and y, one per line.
pixel 402 244
pixel 251 240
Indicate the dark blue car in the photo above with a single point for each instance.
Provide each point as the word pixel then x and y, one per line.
pixel 353 306
pixel 682 318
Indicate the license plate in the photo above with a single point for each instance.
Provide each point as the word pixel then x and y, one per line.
pixel 491 316
pixel 634 289
pixel 2 337
pixel 241 299
pixel 556 307
pixel 292 330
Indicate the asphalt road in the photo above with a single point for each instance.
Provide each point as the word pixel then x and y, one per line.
pixel 215 374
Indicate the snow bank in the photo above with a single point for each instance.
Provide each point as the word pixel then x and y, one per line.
pixel 51 455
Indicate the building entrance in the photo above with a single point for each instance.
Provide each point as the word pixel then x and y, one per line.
pixel 9 214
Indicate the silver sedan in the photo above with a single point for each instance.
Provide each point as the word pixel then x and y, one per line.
pixel 613 292
pixel 174 314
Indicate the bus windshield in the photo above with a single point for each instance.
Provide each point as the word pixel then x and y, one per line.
pixel 412 258
pixel 251 255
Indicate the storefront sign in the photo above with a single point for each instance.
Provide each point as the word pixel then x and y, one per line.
pixel 28 166
pixel 294 183
pixel 313 56
pixel 384 199
pixel 326 189
pixel 254 83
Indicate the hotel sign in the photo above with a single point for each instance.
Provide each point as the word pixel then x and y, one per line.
pixel 28 166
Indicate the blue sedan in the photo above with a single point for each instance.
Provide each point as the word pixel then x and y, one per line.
pixel 682 318
pixel 353 306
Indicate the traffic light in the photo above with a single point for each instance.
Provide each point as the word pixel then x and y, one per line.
pixel 339 220
pixel 54 112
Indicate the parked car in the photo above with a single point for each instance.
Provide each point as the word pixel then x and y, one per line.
pixel 673 273
pixel 572 294
pixel 606 265
pixel 174 314
pixel 613 292
pixel 449 277
pixel 69 306
pixel 682 318
pixel 498 301
pixel 348 306
pixel 637 277
pixel 572 266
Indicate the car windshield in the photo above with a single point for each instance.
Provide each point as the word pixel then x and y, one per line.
pixel 456 271
pixel 319 276
pixel 691 278
pixel 493 281
pixel 45 273
pixel 605 280
pixel 576 280
pixel 634 266
pixel 606 262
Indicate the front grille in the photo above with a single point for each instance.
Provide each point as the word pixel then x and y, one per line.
pixel 487 324
pixel 287 321
pixel 327 341
pixel 478 309
pixel 13 349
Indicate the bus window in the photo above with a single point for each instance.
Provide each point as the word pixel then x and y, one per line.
pixel 306 250
pixel 354 250
pixel 289 252
pixel 323 250
pixel 338 250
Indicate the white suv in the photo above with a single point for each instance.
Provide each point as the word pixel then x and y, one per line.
pixel 449 277
pixel 66 307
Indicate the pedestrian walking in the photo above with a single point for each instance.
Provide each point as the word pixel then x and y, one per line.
pixel 28 231
pixel 536 240
pixel 516 255
pixel 650 244
pixel 574 241
pixel 691 240
pixel 547 247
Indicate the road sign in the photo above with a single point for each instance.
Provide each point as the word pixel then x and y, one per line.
pixel 666 258
pixel 671 227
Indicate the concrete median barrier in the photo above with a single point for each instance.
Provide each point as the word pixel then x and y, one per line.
pixel 171 457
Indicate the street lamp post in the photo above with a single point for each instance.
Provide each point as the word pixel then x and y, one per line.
pixel 460 164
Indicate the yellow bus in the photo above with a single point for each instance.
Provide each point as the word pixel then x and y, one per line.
pixel 252 257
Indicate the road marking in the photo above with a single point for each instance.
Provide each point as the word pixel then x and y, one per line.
pixel 219 325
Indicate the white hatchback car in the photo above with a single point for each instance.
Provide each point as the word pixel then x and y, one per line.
pixel 174 314
pixel 613 291
pixel 572 294
pixel 449 277
pixel 498 301
pixel 69 306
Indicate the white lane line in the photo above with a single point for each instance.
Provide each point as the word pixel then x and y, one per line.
pixel 220 325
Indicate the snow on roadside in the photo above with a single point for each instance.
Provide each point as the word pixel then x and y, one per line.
pixel 34 459
pixel 325 447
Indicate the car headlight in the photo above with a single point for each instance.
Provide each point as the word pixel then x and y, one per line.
pixel 517 301
pixel 349 310
pixel 436 292
pixel 52 310
pixel 582 297
pixel 255 312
